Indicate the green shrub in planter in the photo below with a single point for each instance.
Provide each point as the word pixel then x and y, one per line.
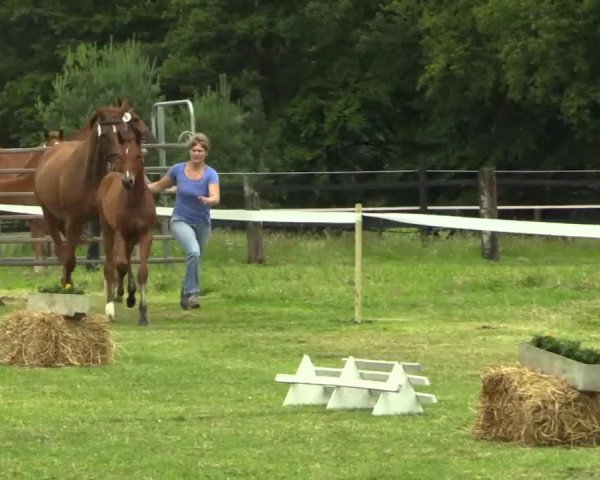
pixel 566 348
pixel 67 290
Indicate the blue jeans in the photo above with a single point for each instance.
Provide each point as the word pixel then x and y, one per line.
pixel 193 238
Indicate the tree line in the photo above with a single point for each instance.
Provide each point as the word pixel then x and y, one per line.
pixel 321 84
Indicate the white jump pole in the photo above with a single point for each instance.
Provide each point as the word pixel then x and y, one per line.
pixel 358 264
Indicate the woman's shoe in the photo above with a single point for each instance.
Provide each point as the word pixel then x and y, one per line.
pixel 192 302
pixel 189 301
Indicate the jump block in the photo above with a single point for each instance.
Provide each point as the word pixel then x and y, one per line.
pixel 387 389
pixel 60 303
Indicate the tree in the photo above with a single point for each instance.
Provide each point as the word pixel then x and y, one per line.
pixel 225 123
pixel 36 37
pixel 94 77
pixel 512 83
pixel 357 106
pixel 548 58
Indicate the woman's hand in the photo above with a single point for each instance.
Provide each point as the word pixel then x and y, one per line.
pixel 160 185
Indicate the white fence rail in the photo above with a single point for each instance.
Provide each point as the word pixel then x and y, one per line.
pixel 348 218
pixel 308 216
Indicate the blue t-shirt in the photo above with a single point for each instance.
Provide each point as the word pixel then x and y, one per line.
pixel 187 205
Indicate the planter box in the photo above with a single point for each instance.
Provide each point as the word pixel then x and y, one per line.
pixel 59 303
pixel 580 376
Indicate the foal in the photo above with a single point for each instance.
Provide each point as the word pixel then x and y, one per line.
pixel 127 217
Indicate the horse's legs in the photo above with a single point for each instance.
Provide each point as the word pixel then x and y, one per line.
pixel 73 231
pixel 119 279
pixel 120 289
pixel 55 228
pixel 145 246
pixel 47 245
pixel 38 230
pixel 121 265
pixel 108 236
pixel 93 251
pixel 131 286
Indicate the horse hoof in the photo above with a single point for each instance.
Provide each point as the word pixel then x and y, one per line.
pixel 143 321
pixel 109 310
pixel 130 302
pixel 118 298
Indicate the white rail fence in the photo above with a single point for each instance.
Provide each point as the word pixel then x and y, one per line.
pixel 348 218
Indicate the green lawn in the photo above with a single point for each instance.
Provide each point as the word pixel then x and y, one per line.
pixel 193 395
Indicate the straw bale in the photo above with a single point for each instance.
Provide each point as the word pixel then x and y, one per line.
pixel 518 404
pixel 45 339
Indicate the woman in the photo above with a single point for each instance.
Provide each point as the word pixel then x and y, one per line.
pixel 197 191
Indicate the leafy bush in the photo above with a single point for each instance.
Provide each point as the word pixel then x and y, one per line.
pixel 567 348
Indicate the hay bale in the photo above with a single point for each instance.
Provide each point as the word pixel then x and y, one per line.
pixel 518 404
pixel 44 339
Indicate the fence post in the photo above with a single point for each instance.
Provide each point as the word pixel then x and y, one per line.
pixel 253 229
pixel 488 208
pixel 423 201
pixel 358 265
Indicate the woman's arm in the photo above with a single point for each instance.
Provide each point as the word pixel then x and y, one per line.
pixel 160 185
pixel 214 195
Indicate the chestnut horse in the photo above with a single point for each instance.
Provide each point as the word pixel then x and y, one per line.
pixel 147 137
pixel 127 218
pixel 67 180
pixel 23 182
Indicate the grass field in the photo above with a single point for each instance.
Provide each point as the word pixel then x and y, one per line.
pixel 193 395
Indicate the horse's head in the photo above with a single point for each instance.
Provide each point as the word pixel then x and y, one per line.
pixel 52 137
pixel 111 125
pixel 132 160
pixel 137 122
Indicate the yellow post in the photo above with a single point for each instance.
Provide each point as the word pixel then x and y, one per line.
pixel 358 265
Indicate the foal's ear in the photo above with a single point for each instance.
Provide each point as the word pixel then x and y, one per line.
pixel 54 134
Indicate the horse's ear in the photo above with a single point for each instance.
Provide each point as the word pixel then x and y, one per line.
pixel 126 104
pixel 61 134
pixel 46 134
pixel 93 119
